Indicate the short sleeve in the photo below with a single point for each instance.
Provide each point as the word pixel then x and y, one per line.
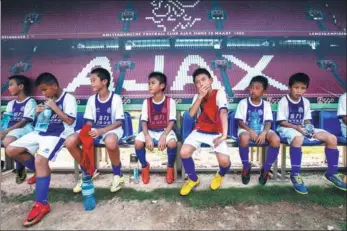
pixel 267 112
pixel 9 106
pixel 341 110
pixel 282 111
pixel 307 112
pixel 89 113
pixel 221 100
pixel 172 116
pixel 29 110
pixel 118 105
pixel 144 113
pixel 70 106
pixel 193 101
pixel 241 111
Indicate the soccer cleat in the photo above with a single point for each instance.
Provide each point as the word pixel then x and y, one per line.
pixel 32 180
pixel 170 175
pixel 78 187
pixel 337 180
pixel 188 186
pixel 298 184
pixel 216 181
pixel 246 175
pixel 263 177
pixel 21 175
pixel 117 183
pixel 145 174
pixel 36 214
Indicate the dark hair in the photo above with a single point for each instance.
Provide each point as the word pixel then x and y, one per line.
pixel 46 78
pixel 299 77
pixel 200 71
pixel 102 74
pixel 161 77
pixel 21 79
pixel 260 79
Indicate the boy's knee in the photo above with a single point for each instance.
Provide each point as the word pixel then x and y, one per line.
pixel 11 151
pixel 6 141
pixel 111 142
pixel 275 141
pixel 71 141
pixel 171 144
pixel 41 161
pixel 139 144
pixel 224 162
pixel 244 139
pixel 332 140
pixel 185 153
pixel 297 141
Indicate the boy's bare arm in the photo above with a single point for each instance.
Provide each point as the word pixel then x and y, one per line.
pixel 65 118
pixel 19 124
pixel 223 114
pixel 169 127
pixel 344 119
pixel 195 107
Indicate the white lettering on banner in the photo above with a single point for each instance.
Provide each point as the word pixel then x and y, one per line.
pixel 172 11
pixel 182 78
pixel 83 79
pixel 325 100
pixel 253 71
pixel 131 85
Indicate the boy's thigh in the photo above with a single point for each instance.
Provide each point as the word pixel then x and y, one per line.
pixel 156 136
pixel 49 146
pixel 289 134
pixel 193 140
pixel 29 141
pixel 118 132
pixel 20 132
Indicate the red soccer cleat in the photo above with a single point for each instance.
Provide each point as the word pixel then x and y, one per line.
pixel 36 214
pixel 32 180
pixel 145 174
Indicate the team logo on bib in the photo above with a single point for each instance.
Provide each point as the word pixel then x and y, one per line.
pixel 22 108
pixel 164 110
pixel 301 109
pixel 260 112
pixel 109 110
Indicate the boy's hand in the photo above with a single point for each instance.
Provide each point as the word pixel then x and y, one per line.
pixel 254 135
pixel 149 142
pixel 261 138
pixel 50 103
pixel 39 108
pixel 203 92
pixel 218 140
pixel 301 130
pixel 162 142
pixel 96 132
pixel 3 134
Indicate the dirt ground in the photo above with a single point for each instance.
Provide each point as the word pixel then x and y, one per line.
pixel 163 215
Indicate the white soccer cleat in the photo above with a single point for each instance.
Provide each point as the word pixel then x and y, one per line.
pixel 117 183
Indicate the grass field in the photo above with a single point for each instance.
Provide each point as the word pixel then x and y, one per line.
pixel 207 198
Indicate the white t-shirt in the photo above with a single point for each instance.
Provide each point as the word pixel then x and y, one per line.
pixel 246 108
pixel 172 116
pixel 341 109
pixel 22 110
pixel 104 113
pixel 221 101
pixel 67 103
pixel 294 112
